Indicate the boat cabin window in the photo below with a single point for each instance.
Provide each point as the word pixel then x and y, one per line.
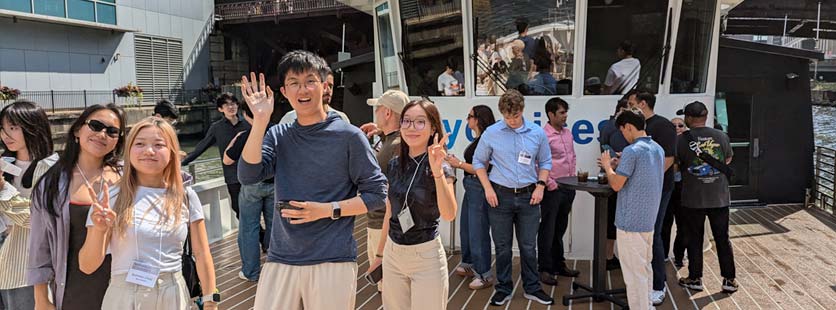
pixel 388 58
pixel 433 54
pixel 624 45
pixel 693 47
pixel 524 45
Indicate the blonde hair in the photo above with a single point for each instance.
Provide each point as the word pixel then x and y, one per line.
pixel 175 193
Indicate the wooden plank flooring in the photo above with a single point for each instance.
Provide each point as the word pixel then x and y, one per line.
pixel 785 258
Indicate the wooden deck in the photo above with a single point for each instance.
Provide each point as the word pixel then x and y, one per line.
pixel 784 256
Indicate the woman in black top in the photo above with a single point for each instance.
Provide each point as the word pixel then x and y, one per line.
pixel 474 231
pixel 420 191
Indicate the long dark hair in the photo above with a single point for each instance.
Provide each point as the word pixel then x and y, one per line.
pixel 50 181
pixel 484 117
pixel 37 135
pixel 434 119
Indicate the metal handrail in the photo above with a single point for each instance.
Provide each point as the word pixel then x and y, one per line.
pixel 823 191
pixel 249 9
pixel 192 167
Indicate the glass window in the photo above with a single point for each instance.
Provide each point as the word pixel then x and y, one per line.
pixel 693 46
pixel 81 9
pixel 106 13
pixel 388 58
pixel 50 7
pixel 16 5
pixel 624 45
pixel 433 53
pixel 531 50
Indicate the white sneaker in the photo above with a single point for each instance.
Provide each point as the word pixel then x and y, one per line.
pixel 242 277
pixel 657 297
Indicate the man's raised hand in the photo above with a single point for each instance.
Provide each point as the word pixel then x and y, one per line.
pixel 258 96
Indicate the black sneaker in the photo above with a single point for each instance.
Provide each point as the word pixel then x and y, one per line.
pixel 613 263
pixel 499 298
pixel 729 285
pixel 547 278
pixel 540 296
pixel 566 272
pixel 677 262
pixel 694 284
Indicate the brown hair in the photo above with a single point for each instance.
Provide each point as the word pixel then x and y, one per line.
pixel 511 102
pixel 434 118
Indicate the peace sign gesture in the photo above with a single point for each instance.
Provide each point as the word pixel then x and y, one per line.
pixel 103 216
pixel 437 154
pixel 258 96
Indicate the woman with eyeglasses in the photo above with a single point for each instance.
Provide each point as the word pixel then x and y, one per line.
pixel 475 230
pixel 60 203
pixel 27 144
pixel 420 192
pixel 672 213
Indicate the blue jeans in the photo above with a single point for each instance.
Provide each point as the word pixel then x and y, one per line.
pixel 475 229
pixel 515 214
pixel 659 255
pixel 255 200
pixel 22 298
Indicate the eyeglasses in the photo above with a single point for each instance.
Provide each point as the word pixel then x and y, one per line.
pixel 98 126
pixel 296 85
pixel 418 124
pixel 469 116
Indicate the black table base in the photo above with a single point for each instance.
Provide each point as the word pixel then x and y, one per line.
pixel 597 296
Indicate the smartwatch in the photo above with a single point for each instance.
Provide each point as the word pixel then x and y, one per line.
pixel 541 182
pixel 336 212
pixel 215 297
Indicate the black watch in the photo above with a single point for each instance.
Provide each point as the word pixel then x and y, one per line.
pixel 541 182
pixel 336 211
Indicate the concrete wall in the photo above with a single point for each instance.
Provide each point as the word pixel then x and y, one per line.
pixel 46 56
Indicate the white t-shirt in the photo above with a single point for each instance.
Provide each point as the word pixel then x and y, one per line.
pixel 160 245
pixel 623 75
pixel 448 85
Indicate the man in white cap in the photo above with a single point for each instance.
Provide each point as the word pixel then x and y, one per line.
pixel 387 112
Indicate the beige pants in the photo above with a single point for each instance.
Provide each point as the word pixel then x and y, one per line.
pixel 372 240
pixel 415 276
pixel 635 252
pixel 170 293
pixel 326 286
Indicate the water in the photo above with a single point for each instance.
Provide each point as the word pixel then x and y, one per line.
pixel 212 168
pixel 824 126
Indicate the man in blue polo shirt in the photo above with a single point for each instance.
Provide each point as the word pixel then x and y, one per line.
pixel 637 177
pixel 325 169
pixel 521 157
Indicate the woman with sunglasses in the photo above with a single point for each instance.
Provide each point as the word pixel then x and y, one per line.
pixel 672 214
pixel 27 142
pixel 146 225
pixel 474 231
pixel 420 191
pixel 60 203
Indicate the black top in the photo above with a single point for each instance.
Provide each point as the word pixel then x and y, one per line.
pixel 422 199
pixel 610 135
pixel 662 131
pixel 83 291
pixel 219 134
pixel 468 153
pixel 234 152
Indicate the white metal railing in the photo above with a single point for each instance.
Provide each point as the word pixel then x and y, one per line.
pixel 219 218
pixel 249 9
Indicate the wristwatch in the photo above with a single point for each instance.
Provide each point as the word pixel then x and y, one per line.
pixel 541 182
pixel 215 297
pixel 336 212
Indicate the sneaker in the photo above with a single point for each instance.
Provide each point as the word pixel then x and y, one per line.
pixel 540 296
pixel 694 284
pixel 499 298
pixel 729 285
pixel 463 271
pixel 613 263
pixel 566 272
pixel 657 297
pixel 548 279
pixel 243 277
pixel 677 262
pixel 478 283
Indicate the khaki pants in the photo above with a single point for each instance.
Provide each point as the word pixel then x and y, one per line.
pixel 415 276
pixel 372 239
pixel 170 293
pixel 635 252
pixel 325 286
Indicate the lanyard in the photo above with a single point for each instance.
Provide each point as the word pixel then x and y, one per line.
pixel 136 233
pixel 408 188
pixel 86 181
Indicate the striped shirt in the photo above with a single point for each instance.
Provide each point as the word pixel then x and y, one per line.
pixel 15 250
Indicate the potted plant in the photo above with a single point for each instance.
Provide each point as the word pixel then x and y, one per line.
pixel 130 91
pixel 8 93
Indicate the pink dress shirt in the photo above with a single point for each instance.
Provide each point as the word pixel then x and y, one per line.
pixel 563 154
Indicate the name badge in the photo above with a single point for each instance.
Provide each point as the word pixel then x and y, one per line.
pixel 524 158
pixel 405 218
pixel 143 274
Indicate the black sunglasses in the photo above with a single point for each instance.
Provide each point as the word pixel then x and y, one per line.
pixel 680 126
pixel 98 126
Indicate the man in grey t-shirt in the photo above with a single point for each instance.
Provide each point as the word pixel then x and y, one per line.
pixel 705 193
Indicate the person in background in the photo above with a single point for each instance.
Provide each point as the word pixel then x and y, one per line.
pixel 672 214
pixel 145 228
pixel 328 91
pixel 475 228
pixel 451 81
pixel 220 134
pixel 612 138
pixel 522 30
pixel 166 110
pixel 624 74
pixel 637 176
pixel 543 83
pixel 27 143
pixel 420 192
pixel 58 217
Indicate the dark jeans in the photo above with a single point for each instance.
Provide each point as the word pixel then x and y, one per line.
pixel 718 219
pixel 22 298
pixel 515 214
pixel 554 220
pixel 234 190
pixel 658 262
pixel 475 228
pixel 672 215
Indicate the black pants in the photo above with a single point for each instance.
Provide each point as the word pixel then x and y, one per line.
pixel 718 219
pixel 234 190
pixel 673 214
pixel 612 202
pixel 554 220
